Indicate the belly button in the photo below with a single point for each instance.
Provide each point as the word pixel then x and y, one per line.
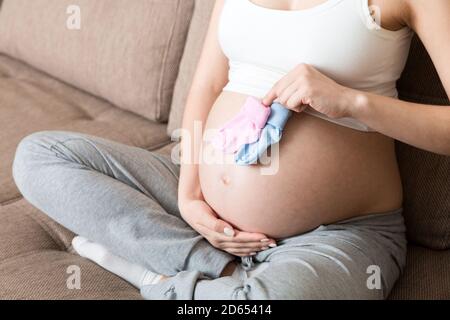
pixel 225 179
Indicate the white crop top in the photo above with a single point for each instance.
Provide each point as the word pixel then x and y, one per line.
pixel 338 37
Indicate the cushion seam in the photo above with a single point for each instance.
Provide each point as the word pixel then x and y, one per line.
pixel 33 252
pixel 158 146
pixel 11 201
pixel 49 231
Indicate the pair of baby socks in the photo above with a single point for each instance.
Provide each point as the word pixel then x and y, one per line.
pixel 244 128
pixel 252 131
pixel 249 154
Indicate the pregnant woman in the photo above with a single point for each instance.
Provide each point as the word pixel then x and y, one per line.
pixel 327 223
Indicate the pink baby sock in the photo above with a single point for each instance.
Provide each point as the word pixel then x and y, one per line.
pixel 244 128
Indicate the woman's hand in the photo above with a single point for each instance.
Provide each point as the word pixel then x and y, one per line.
pixel 305 86
pixel 202 218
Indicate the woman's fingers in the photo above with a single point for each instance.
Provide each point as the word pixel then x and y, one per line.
pixel 225 243
pixel 218 226
pixel 287 93
pixel 225 232
pixel 258 246
pixel 242 236
pixel 213 236
pixel 224 228
pixel 241 253
pixel 279 87
pixel 269 98
pixel 221 234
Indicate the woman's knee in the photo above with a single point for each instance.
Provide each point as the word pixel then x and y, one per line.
pixel 32 152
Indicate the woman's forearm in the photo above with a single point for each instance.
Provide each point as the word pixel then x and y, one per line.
pixel 423 126
pixel 198 105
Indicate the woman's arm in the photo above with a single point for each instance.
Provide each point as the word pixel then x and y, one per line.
pixel 424 126
pixel 210 78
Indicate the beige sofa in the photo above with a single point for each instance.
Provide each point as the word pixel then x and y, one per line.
pixel 122 76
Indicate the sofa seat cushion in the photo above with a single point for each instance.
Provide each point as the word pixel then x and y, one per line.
pixel 43 276
pixel 35 254
pixel 426 276
pixel 31 101
pixel 126 52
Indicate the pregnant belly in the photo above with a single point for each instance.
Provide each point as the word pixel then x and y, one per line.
pixel 322 173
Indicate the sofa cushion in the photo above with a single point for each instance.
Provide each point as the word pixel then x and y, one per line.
pixel 35 254
pixel 24 229
pixel 425 176
pixel 191 56
pixel 126 52
pixel 426 276
pixel 30 101
pixel 172 150
pixel 43 275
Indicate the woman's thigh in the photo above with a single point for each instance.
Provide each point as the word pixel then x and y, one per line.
pixel 122 197
pixel 39 156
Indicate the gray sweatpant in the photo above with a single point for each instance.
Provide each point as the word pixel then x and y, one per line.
pixel 125 198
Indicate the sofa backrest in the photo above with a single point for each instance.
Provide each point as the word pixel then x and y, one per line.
pixel 194 44
pixel 127 52
pixel 425 176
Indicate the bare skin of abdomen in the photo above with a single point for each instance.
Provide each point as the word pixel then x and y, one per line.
pixel 326 173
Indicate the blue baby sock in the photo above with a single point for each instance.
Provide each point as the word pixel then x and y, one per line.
pixel 271 134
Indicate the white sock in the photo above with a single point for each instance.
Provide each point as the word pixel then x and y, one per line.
pixel 135 274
